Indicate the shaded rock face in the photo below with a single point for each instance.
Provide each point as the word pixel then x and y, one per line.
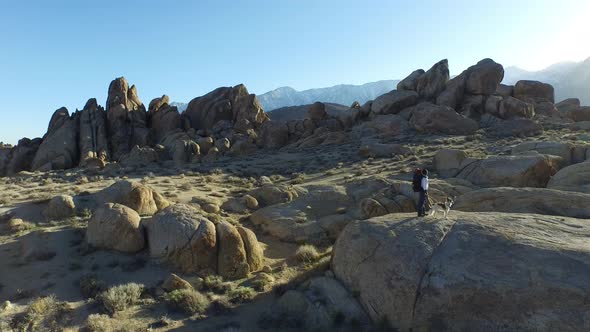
pixel 525 200
pixel 430 118
pixel 162 118
pixel 60 207
pixel 514 108
pixel 563 150
pixel 235 105
pixel 59 149
pixel 393 102
pixel 453 93
pixel 569 104
pixel 93 141
pixel 420 275
pixel 579 114
pixel 534 91
pixel 140 198
pixel 514 127
pixel 115 227
pixel 410 83
pixel 181 147
pixel 273 134
pixel 433 82
pixel 126 118
pixel 22 155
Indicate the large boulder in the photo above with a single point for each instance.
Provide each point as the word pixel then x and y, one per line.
pixel 484 77
pixel 254 252
pixel 572 178
pixel 433 82
pixel 514 127
pixel 454 91
pixel 561 149
pixel 5 155
pixel 135 195
pixel 410 83
pixel 512 171
pixel 233 104
pixel 579 114
pixel 162 118
pixel 569 104
pixel 270 194
pixel 471 272
pixel 93 141
pixel 430 118
pixel 115 227
pixel 59 149
pixel 389 125
pixel 525 200
pixel 126 118
pixel 60 207
pixel 449 162
pixel 534 91
pixel 393 102
pixel 182 237
pixel 232 261
pixel 181 147
pixel 140 155
pixel 515 108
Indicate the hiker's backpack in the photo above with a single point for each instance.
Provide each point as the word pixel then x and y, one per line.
pixel 417 180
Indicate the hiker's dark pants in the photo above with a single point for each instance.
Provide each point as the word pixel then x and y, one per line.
pixel 422 203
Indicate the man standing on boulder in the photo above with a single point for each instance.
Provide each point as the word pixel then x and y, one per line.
pixel 423 194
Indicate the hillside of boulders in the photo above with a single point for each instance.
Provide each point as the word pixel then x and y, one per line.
pixel 226 218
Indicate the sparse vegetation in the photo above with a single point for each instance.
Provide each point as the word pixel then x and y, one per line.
pixel 215 284
pixel 119 298
pixel 90 286
pixel 187 301
pixel 241 294
pixel 104 323
pixel 43 314
pixel 307 253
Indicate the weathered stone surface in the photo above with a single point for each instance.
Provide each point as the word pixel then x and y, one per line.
pixel 393 102
pixel 380 150
pixel 492 105
pixel 254 253
pixel 505 91
pixel 389 125
pixel 430 118
pixel 534 90
pixel 454 91
pixel 182 237
pixel 174 282
pixel 181 147
pixel 512 171
pixel 93 142
pixel 525 200
pixel 115 227
pixel 449 162
pixel 60 207
pixel 431 275
pixel 511 108
pixel 514 127
pixel 579 114
pixel 140 155
pixel 569 104
pixel 572 178
pixel 232 261
pixel 273 135
pixel 563 150
pixel 433 82
pixel 410 83
pixel 59 149
pixel 270 194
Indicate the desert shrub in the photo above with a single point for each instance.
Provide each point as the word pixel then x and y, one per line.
pixel 187 301
pixel 215 284
pixel 119 298
pixel 44 314
pixel 90 287
pixel 104 323
pixel 307 253
pixel 241 294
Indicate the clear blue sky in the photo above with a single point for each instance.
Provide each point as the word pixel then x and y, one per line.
pixel 60 53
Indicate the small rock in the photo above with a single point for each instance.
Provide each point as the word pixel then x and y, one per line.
pixel 250 202
pixel 60 207
pixel 174 282
pixel 211 208
pixel 267 269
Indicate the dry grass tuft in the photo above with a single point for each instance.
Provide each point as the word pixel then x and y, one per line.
pixel 241 294
pixel 119 298
pixel 187 301
pixel 104 323
pixel 307 253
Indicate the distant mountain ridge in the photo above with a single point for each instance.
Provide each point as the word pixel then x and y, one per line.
pixel 344 94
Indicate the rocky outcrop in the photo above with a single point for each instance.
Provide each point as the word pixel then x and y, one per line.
pixel 115 227
pixel 162 118
pixel 126 118
pixel 181 147
pixel 448 162
pixel 569 104
pixel 233 104
pixel 430 118
pixel 380 150
pixel 572 178
pixel 273 135
pixel 410 83
pixel 534 91
pixel 563 150
pixel 432 83
pixel 59 149
pixel 431 275
pixel 22 155
pixel 579 114
pixel 140 155
pixel 514 127
pixel 232 261
pixel 93 142
pixel 525 200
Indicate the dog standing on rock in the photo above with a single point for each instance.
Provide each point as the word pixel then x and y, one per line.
pixel 441 207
